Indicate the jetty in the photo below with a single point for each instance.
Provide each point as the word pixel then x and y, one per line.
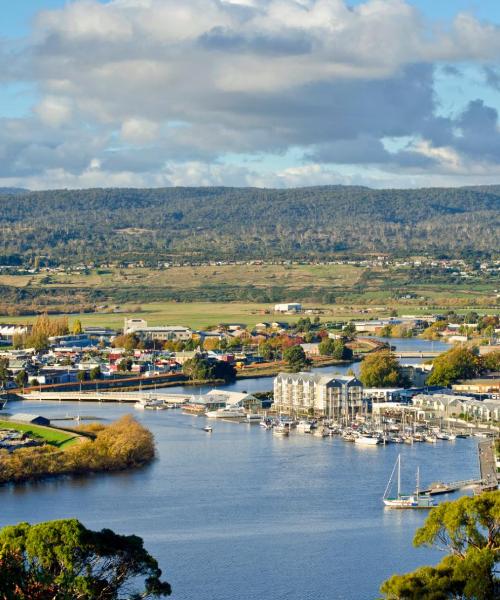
pixel 98 396
pixel 487 482
pixel 417 354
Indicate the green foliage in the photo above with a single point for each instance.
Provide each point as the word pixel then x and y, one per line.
pixel 469 530
pixel 21 379
pixel 100 224
pixel 296 359
pixel 4 371
pixel 335 348
pixel 458 363
pixel 63 559
pixel 381 369
pixel 491 361
pixel 202 369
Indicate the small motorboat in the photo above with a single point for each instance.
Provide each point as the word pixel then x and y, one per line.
pixel 208 429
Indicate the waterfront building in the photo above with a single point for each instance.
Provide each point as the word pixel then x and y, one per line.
pixel 447 405
pixel 216 399
pixel 313 394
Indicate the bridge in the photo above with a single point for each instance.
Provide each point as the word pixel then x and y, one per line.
pixel 417 354
pixel 97 396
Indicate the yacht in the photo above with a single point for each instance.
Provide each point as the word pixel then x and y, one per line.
pixel 402 501
pixel 281 429
pixel 304 427
pixel 367 440
pixel 267 423
pixel 150 405
pixel 228 412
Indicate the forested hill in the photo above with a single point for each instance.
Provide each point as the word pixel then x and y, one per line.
pixel 237 223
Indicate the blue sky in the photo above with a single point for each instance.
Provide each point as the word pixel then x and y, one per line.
pixel 268 94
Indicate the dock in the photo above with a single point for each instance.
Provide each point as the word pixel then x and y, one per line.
pixel 447 488
pixel 487 482
pixel 97 396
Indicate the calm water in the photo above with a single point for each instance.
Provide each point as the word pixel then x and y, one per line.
pixel 244 515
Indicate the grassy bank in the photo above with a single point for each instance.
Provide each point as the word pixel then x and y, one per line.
pixel 125 444
pixel 54 437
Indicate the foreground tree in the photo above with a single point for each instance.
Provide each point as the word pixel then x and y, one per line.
pixel 381 369
pixel 469 531
pixel 296 359
pixel 458 363
pixel 58 560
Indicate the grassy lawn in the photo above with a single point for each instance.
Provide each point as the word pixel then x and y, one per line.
pixel 55 437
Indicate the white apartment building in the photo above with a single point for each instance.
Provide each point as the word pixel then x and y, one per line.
pixel 312 394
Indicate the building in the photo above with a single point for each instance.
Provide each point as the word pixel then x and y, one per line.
pixel 7 332
pixel 446 405
pixel 31 419
pixel 313 394
pixel 417 375
pixel 383 394
pixel 162 333
pixel 291 307
pixel 478 386
pixel 216 399
pixel 375 326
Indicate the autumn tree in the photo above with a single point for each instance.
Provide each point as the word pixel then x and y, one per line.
pixel 381 369
pixel 457 363
pixel 77 327
pixel 468 530
pixel 63 559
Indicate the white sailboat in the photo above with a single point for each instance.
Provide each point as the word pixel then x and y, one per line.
pixel 415 501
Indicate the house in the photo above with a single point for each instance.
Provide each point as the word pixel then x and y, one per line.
pixel 319 395
pixel 311 349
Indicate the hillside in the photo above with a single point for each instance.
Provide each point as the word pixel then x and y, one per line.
pixel 236 223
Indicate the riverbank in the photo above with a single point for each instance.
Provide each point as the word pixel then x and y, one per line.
pixel 122 445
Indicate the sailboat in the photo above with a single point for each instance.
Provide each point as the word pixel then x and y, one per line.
pixel 416 500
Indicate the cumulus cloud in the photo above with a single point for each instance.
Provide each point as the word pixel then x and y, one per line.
pixel 158 91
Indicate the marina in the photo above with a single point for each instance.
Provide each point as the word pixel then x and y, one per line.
pixel 285 496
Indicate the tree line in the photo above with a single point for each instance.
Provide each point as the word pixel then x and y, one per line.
pixel 69 226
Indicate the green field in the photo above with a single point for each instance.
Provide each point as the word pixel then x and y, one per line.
pixel 207 295
pixel 55 437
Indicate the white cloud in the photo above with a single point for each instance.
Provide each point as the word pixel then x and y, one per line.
pixel 243 76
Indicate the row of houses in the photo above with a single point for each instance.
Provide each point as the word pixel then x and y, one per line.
pixel 447 405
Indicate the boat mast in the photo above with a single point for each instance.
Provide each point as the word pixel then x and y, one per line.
pixel 399 475
pixel 418 481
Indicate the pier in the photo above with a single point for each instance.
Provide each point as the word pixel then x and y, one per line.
pixel 486 483
pixel 97 396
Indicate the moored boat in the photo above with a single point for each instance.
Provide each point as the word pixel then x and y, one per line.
pixel 228 412
pixel 404 501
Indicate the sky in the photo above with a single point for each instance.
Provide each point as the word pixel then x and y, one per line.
pixel 267 93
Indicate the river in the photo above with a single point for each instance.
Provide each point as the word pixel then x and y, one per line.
pixel 241 514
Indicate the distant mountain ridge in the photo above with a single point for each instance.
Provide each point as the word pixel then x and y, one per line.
pixel 200 223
